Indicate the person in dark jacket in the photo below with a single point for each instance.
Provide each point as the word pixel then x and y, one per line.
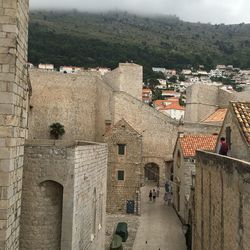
pixel 150 195
pixel 223 146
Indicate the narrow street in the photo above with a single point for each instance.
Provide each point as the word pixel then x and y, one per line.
pixel 160 228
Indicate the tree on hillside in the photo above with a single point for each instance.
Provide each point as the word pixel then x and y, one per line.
pixel 151 83
pixel 173 79
pixel 182 78
pixel 157 95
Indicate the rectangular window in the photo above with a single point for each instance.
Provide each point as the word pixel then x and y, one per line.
pixel 120 175
pixel 121 149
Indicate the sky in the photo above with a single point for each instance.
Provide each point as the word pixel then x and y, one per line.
pixel 205 11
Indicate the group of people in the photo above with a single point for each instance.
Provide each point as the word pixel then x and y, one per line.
pixel 155 193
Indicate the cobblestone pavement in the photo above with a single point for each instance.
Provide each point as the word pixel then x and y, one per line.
pixel 133 224
pixel 159 226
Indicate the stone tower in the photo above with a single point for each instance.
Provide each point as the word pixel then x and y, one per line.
pixel 13 115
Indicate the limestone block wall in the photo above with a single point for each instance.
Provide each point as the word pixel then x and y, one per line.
pixel 104 109
pixel 66 98
pixel 225 96
pixel 47 164
pixel 159 132
pixel 200 128
pixel 221 203
pixel 58 189
pixel 202 100
pixel 120 191
pixel 183 169
pixel 127 78
pixel 13 115
pixel 90 189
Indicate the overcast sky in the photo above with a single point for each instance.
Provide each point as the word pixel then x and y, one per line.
pixel 214 11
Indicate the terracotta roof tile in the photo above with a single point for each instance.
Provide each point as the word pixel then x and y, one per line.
pixel 242 113
pixel 217 116
pixel 173 105
pixel 146 90
pixel 191 143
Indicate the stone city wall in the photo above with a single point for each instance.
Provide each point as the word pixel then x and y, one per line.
pixel 66 98
pixel 90 190
pixel 222 203
pixel 13 115
pixel 127 78
pixel 202 101
pixel 57 202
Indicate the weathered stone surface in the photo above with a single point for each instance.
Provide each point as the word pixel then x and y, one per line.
pixel 122 191
pixel 221 219
pixel 64 195
pixel 13 58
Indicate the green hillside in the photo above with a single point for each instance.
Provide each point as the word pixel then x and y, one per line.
pixel 105 39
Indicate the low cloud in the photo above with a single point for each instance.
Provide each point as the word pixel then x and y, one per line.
pixel 213 11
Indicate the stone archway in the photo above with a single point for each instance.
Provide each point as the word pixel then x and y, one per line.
pixel 151 172
pixel 51 204
pixel 41 219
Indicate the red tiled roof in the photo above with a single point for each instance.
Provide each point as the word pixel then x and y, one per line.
pixel 173 105
pixel 158 103
pixel 146 90
pixel 217 116
pixel 191 143
pixel 242 113
pixel 169 92
pixel 173 99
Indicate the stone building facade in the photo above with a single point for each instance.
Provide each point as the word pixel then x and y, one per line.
pixel 222 204
pixel 236 130
pixel 64 195
pixel 13 115
pixel 203 100
pixel 124 168
pixel 184 169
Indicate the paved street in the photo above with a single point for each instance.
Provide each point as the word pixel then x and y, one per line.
pixel 159 226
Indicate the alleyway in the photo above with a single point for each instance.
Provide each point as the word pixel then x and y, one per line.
pixel 159 226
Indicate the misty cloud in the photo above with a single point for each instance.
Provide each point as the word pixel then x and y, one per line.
pixel 214 11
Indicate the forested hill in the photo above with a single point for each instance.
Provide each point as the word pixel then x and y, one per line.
pixel 105 39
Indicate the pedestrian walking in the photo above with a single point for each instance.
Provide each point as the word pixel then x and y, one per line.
pixel 154 194
pixel 169 198
pixel 165 198
pixel 158 191
pixel 150 195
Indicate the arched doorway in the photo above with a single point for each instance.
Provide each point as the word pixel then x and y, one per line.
pixel 151 172
pixel 51 195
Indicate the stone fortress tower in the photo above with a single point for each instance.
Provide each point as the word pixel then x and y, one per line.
pixel 14 95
